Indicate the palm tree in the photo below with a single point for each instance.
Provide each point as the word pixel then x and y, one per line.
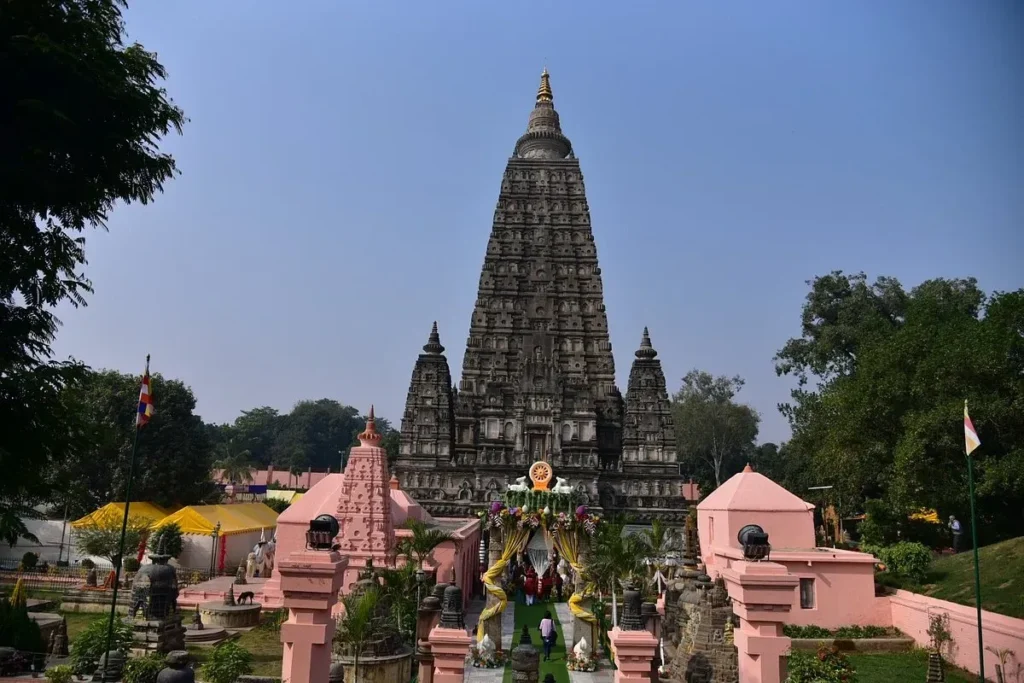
pixel 423 541
pixel 235 465
pixel 357 625
pixel 398 591
pixel 617 557
pixel 12 523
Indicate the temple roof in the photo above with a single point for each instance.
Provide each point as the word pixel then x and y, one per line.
pixel 750 491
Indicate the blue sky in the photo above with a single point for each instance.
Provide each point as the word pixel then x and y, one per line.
pixel 343 159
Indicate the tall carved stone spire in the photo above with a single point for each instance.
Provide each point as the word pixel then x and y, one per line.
pixel 648 432
pixel 538 375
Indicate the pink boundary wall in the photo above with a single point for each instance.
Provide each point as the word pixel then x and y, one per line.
pixel 910 612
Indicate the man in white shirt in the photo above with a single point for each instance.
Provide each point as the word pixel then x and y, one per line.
pixel 954 526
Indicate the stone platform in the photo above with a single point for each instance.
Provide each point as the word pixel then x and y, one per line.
pixel 208 636
pixel 216 613
pixel 216 589
pixel 95 600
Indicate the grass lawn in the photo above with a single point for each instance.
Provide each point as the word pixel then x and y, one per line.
pixel 531 616
pixel 901 667
pixel 263 642
pixel 951 577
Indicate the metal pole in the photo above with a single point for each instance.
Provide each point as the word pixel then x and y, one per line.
pixel 977 572
pixel 120 549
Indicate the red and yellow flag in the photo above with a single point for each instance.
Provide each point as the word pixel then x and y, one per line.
pixel 970 435
pixel 145 400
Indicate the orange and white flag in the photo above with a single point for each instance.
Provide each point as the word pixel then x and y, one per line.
pixel 970 436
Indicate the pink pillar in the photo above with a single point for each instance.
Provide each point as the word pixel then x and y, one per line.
pixel 310 581
pixel 634 655
pixel 449 647
pixel 762 593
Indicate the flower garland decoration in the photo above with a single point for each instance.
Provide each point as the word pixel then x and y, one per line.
pixel 503 517
pixel 574 662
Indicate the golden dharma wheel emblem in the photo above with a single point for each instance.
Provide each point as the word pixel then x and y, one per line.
pixel 540 475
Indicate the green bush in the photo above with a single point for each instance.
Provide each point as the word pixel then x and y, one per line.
pixel 29 561
pixel 171 537
pixel 17 629
pixel 89 645
pixel 855 632
pixel 880 525
pixel 131 564
pixel 277 505
pixel 227 662
pixel 827 665
pixel 88 564
pixel 808 632
pixel 143 669
pixel 906 558
pixel 60 674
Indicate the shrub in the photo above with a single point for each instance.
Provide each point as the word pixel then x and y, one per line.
pixel 17 629
pixel 19 596
pixel 277 505
pixel 828 665
pixel 170 536
pixel 905 558
pixel 809 632
pixel 855 632
pixel 939 633
pixel 89 645
pixel 29 561
pixel 60 674
pixel 880 525
pixel 143 669
pixel 131 564
pixel 227 662
pixel 88 564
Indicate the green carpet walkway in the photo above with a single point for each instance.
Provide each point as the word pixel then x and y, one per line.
pixel 531 616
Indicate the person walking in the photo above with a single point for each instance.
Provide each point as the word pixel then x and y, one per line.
pixel 547 634
pixel 530 586
pixel 954 526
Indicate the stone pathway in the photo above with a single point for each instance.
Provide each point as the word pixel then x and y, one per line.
pixel 508 625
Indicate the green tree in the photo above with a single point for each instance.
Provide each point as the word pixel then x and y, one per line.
pixel 715 435
pixel 615 557
pixel 103 539
pixel 82 114
pixel 256 430
pixel 168 539
pixel 358 624
pixel 174 458
pixel 883 374
pixel 235 464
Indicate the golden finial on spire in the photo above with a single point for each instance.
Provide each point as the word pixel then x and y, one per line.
pixel 544 91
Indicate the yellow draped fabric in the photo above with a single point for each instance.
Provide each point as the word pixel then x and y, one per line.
pixel 568 545
pixel 514 541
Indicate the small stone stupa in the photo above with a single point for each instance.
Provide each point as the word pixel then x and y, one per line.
pixel 155 594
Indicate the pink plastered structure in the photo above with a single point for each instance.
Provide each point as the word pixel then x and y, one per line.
pixel 836 587
pixel 822 586
pixel 371 510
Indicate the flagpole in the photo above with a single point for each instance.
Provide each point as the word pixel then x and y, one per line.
pixel 977 572
pixel 120 547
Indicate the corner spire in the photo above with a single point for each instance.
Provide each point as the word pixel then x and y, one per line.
pixel 544 94
pixel 370 437
pixel 433 345
pixel 646 350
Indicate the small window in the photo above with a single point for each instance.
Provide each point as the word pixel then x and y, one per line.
pixel 806 593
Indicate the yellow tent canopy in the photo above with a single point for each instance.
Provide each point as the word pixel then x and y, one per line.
pixel 114 513
pixel 237 518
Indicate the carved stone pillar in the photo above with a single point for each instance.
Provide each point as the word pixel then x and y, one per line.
pixel 525 660
pixel 449 642
pixel 428 616
pixel 310 581
pixel 762 593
